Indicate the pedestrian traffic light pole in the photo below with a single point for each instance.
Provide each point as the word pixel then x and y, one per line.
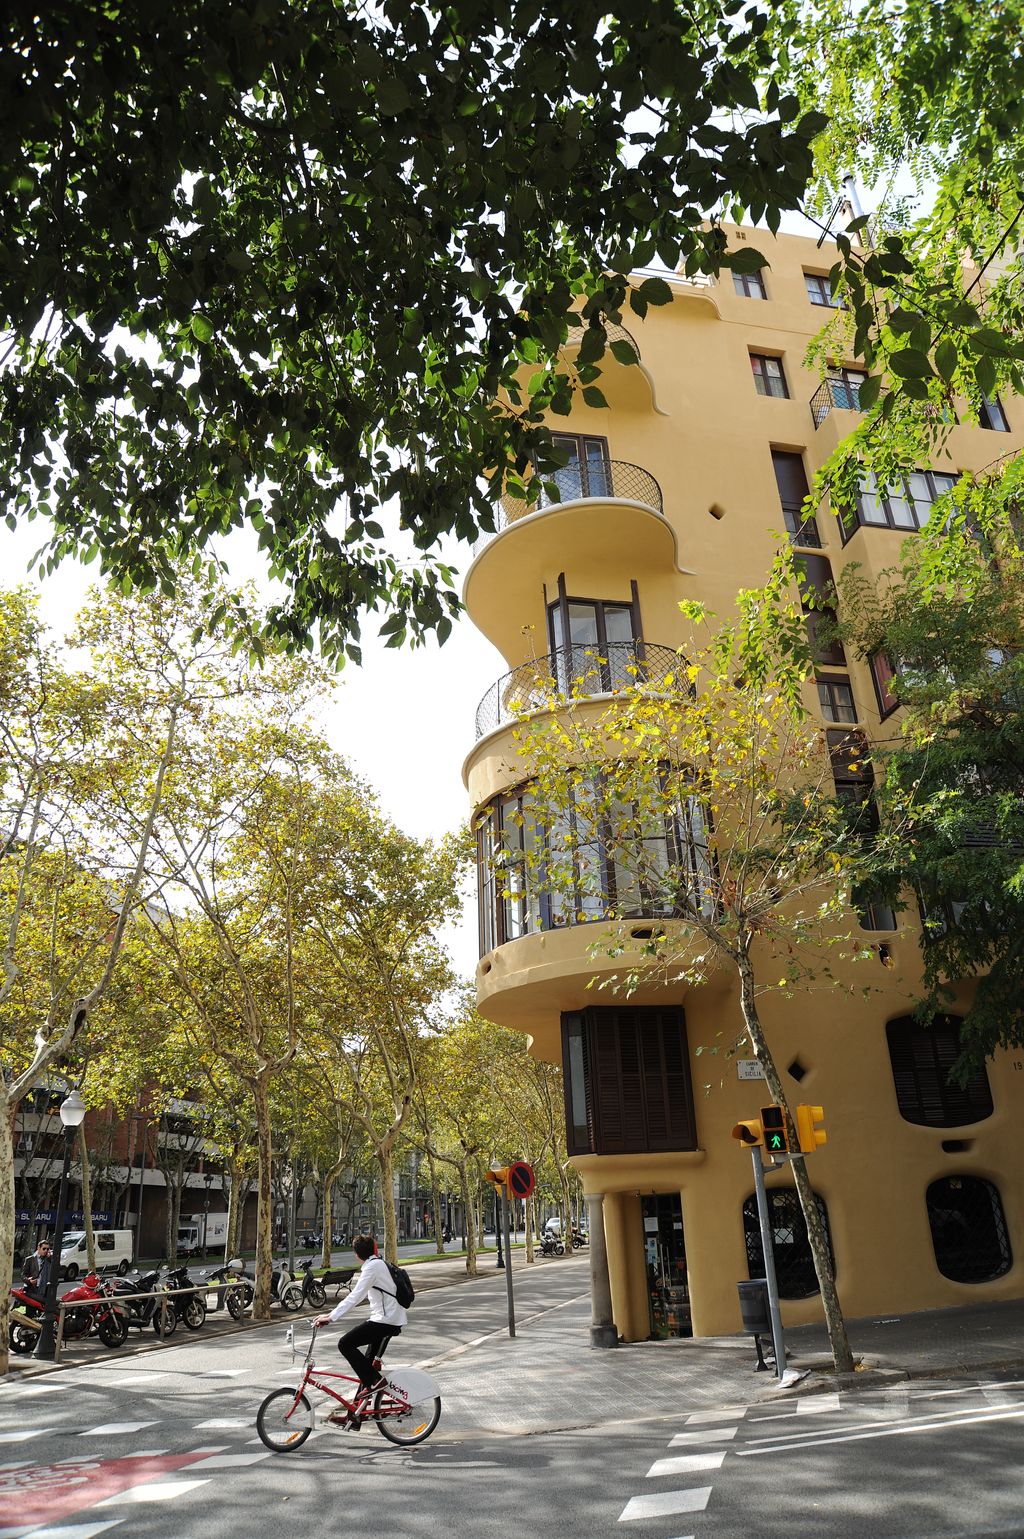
pixel 768 1248
pixel 508 1263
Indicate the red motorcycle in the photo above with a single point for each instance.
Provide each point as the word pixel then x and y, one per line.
pixel 26 1315
pixel 109 1319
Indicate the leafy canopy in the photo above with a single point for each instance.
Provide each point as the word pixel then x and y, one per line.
pixel 269 265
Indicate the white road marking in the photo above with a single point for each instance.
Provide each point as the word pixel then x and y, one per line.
pixel 72 1531
pixel 818 1406
pixel 687 1464
pixel 155 1491
pixel 700 1417
pixel 705 1435
pixel 116 1428
pixel 968 1389
pixel 223 1422
pixel 224 1373
pixel 665 1504
pixel 847 1435
pixel 23 1437
pixel 42 1389
pixel 232 1461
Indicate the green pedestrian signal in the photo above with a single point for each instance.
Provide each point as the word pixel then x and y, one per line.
pixel 773 1120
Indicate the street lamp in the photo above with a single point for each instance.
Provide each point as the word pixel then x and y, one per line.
pixel 72 1115
pixel 208 1178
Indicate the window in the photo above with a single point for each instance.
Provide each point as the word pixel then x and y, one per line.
pixel 817 596
pixel 750 285
pixel 922 1058
pixel 992 415
pixel 835 697
pixel 819 291
pixel 905 505
pixel 968 1229
pixel 844 386
pixel 104 1241
pixel 872 915
pixel 768 376
pixel 791 480
pixel 595 861
pixel 627 1080
pixel 587 472
pixel 939 914
pixel 882 674
pixel 593 642
pixel 854 777
pixel 794 1264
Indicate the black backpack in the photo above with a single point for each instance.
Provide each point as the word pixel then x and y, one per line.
pixel 404 1291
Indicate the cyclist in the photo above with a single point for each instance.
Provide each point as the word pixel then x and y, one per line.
pixel 386 1314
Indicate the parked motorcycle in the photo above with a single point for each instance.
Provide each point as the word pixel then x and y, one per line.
pixel 236 1299
pixel 551 1245
pixel 313 1291
pixel 143 1311
pixel 190 1308
pixel 25 1317
pixel 110 1320
pixel 579 1240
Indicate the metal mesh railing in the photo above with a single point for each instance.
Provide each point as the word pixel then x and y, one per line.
pixel 834 392
pixel 572 672
pixel 593 479
pixel 612 331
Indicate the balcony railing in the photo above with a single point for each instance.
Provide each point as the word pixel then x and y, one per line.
pixel 613 331
pixel 831 393
pixel 571 672
pixel 596 479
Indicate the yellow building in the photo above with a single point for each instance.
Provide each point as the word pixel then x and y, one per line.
pixel 681 489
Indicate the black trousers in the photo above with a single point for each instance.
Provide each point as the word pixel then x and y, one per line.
pixel 372 1334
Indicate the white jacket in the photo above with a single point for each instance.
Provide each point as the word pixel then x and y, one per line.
pixel 374 1282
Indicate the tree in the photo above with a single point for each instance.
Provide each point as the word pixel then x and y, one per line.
pixel 954 767
pixel 272 265
pixel 757 869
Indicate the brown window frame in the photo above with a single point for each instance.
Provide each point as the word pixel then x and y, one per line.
pixel 840 681
pixel 762 378
pixel 887 701
pixel 829 303
pixel 742 282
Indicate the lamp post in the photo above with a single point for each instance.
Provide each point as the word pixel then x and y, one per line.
pixel 72 1115
pixel 208 1178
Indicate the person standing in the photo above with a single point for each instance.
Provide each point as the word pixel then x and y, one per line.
pixel 36 1270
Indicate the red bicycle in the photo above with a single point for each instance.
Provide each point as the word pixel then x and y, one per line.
pixel 406 1408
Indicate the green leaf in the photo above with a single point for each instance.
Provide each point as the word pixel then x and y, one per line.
pixel 910 364
pixel 623 351
pixel 392 95
pixel 201 328
pixel 985 374
pixel 593 396
pixel 747 260
pixel 946 358
pixel 656 291
pixel 869 391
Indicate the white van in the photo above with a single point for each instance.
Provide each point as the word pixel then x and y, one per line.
pixel 113 1250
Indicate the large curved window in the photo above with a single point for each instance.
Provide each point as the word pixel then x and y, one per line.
pixel 968 1229
pixel 592 861
pixel 922 1057
pixel 794 1264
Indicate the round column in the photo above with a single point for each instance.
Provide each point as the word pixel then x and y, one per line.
pixel 602 1327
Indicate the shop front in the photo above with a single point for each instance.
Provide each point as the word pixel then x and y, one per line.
pixel 665 1261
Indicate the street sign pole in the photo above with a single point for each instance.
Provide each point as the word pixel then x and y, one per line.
pixel 508 1263
pixel 778 1341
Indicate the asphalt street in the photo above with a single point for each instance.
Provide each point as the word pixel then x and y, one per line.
pixel 165 1444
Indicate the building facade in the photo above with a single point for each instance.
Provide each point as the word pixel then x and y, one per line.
pixel 682 489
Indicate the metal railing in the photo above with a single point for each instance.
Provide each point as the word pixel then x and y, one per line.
pixel 613 332
pixel 834 393
pixel 598 480
pixel 572 673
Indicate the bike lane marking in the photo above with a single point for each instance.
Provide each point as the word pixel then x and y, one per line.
pixel 31 1494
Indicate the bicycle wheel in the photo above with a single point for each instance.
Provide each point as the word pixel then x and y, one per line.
pixel 404 1424
pixel 280 1428
pixel 194 1313
pixel 291 1296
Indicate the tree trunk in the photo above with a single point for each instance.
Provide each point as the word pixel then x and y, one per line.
pixel 386 1161
pixel 7 1211
pixel 563 1181
pixel 481 1219
pixel 435 1205
pixel 230 1246
pixel 467 1205
pixel 329 1180
pixel 842 1356
pixel 174 1204
pixel 90 1238
pixel 265 1201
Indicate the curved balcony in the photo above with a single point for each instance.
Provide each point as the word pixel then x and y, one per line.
pixel 571 673
pixel 598 480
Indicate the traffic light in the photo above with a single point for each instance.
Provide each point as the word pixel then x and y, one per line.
pixel 811 1136
pixel 498 1174
pixel 749 1133
pixel 773 1121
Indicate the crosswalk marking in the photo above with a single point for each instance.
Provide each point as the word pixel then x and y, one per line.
pixel 154 1491
pixel 231 1461
pixel 223 1422
pixel 818 1405
pixel 67 1531
pixel 703 1435
pixel 665 1504
pixel 700 1417
pixel 116 1428
pixel 23 1436
pixel 687 1464
pixel 922 1424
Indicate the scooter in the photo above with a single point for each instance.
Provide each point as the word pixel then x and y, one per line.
pixel 579 1240
pixel 190 1308
pixel 147 1311
pixel 237 1299
pixel 110 1320
pixel 313 1291
pixel 551 1245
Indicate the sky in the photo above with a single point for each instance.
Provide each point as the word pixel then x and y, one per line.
pixel 404 720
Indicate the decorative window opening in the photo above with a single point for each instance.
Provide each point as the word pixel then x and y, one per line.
pixel 797 1071
pixel 922 1058
pixel 969 1233
pixel 794 1264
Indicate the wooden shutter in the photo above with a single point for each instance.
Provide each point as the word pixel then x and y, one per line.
pixel 922 1057
pixel 638 1080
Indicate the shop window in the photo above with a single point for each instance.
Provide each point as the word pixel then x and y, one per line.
pixel 665 1260
pixel 636 1092
pixel 794 1264
pixel 922 1058
pixel 969 1231
pixel 769 378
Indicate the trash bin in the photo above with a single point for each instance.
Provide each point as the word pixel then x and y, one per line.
pixel 754 1307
